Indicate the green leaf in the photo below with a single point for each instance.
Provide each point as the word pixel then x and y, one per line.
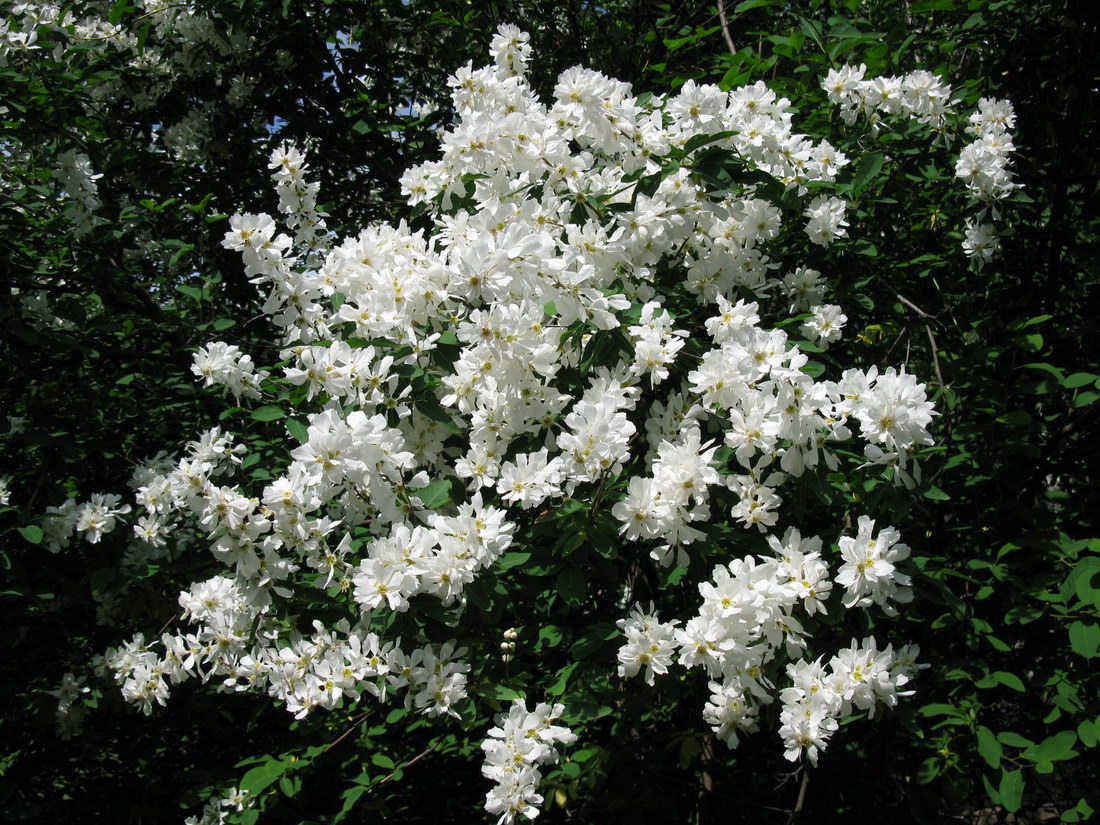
pixel 192 291
pixel 263 776
pixel 1087 734
pixel 268 413
pixel 382 761
pixel 1080 580
pixel 436 413
pixel 32 533
pixel 1079 379
pixel 813 368
pixel 510 560
pixel 551 635
pixel 101 579
pixel 868 167
pixel 1058 375
pixel 1038 319
pixel 501 693
pixel 1083 399
pixel 1011 790
pixel 989 748
pixel 118 9
pixel 1084 638
pixel 597 637
pixel 745 5
pixel 940 709
pixel 1009 680
pixel 1056 748
pixel 936 494
pixel 1014 740
pixel 297 430
pixel 435 494
pixel 572 586
pixel 557 688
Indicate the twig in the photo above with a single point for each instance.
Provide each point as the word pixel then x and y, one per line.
pixel 911 305
pixel 801 796
pixel 354 724
pixel 935 356
pixel 412 761
pixel 726 26
pixel 167 623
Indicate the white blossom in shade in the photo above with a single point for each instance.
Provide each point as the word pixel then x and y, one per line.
pixel 58 524
pixel 74 171
pixel 869 573
pixel 70 709
pixel 981 242
pixel 805 287
pixel 98 516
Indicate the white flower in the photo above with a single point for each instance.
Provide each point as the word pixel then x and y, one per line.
pixel 869 572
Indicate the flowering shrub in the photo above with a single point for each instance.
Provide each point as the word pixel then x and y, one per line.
pixel 588 334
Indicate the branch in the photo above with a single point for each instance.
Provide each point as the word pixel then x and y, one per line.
pixel 797 812
pixel 911 305
pixel 935 356
pixel 412 761
pixel 726 26
pixel 354 724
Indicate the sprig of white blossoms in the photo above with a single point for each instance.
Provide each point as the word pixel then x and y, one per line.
pixel 521 741
pixel 747 621
pixel 78 181
pixel 225 364
pixel 983 165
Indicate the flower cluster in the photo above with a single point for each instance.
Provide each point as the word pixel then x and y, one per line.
pixel 218 808
pixel 521 741
pixel 919 94
pixel 869 573
pixel 70 709
pixel 298 197
pixel 859 677
pixel 984 167
pixel 93 518
pixel 983 164
pixel 747 621
pixel 74 172
pixel 225 364
pixel 303 672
